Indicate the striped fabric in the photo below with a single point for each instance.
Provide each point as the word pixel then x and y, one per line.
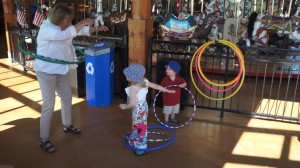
pixel 21 17
pixel 38 18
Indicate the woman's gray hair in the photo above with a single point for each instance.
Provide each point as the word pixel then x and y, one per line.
pixel 58 13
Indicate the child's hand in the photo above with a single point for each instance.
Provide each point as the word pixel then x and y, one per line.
pixel 122 106
pixel 183 85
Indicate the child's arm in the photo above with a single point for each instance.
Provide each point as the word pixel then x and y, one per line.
pixel 182 85
pixel 182 82
pixel 158 87
pixel 133 92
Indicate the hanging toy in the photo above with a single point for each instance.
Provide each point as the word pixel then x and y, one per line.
pixel 99 14
pixel 114 7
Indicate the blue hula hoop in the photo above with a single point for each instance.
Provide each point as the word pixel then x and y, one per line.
pixel 125 143
pixel 179 126
pixel 153 133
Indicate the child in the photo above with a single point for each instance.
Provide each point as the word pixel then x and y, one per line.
pixel 137 93
pixel 171 102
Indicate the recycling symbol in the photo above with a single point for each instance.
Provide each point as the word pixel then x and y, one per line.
pixel 89 68
pixel 112 67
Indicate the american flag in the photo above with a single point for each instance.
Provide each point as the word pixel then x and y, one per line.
pixel 38 18
pixel 21 17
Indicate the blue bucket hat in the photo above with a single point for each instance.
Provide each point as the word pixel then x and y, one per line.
pixel 175 66
pixel 135 72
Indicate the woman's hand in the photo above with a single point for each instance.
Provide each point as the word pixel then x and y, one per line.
pixel 103 28
pixel 87 22
pixel 123 106
pixel 100 28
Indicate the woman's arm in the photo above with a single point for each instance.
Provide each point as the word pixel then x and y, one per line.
pixel 81 28
pixel 88 30
pixel 96 29
pixel 83 23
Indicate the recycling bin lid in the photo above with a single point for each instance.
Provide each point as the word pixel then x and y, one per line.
pixel 100 48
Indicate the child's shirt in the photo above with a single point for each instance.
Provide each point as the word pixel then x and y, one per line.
pixel 171 99
pixel 141 94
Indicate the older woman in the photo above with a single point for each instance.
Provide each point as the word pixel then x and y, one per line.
pixel 55 40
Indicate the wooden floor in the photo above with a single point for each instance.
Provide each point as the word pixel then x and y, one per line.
pixel 207 142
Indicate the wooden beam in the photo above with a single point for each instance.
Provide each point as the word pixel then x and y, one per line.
pixel 140 29
pixel 8 6
pixel 138 40
pixel 141 9
pixel 9 19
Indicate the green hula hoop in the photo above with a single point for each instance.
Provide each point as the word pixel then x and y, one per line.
pixel 48 59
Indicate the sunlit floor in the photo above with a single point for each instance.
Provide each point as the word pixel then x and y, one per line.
pixel 207 142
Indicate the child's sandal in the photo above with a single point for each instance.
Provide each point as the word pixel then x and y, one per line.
pixel 71 129
pixel 139 152
pixel 47 147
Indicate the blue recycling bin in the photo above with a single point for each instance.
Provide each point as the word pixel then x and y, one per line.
pixel 99 68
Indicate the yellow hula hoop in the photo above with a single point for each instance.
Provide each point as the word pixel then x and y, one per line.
pixel 203 47
pixel 209 81
pixel 200 69
pixel 239 54
pixel 237 78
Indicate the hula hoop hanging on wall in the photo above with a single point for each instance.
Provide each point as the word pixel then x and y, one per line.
pixel 236 80
pixel 48 59
pixel 179 126
pixel 204 79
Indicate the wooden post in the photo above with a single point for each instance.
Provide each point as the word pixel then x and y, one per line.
pixel 9 19
pixel 140 29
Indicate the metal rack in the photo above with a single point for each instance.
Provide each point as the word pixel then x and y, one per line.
pixel 15 34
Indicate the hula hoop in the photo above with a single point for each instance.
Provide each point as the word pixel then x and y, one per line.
pixel 153 140
pixel 238 51
pixel 241 61
pixel 182 125
pixel 211 88
pixel 202 49
pixel 125 143
pixel 48 59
